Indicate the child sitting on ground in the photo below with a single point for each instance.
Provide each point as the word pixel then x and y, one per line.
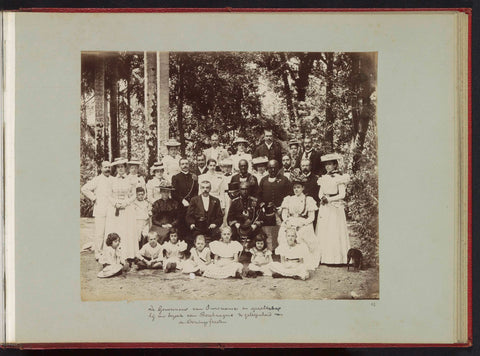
pixel 199 257
pixel 173 250
pixel 143 212
pixel 112 258
pixel 150 255
pixel 292 257
pixel 226 257
pixel 261 258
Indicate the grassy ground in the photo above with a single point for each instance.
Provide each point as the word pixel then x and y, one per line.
pixel 325 283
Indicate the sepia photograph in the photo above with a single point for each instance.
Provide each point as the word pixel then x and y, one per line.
pixel 228 176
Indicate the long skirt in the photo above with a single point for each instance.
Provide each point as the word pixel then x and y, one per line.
pixel 265 269
pixel 306 235
pixel 222 269
pixel 332 233
pixel 125 225
pixel 290 269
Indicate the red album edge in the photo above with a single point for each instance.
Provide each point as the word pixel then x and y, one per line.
pixel 468 11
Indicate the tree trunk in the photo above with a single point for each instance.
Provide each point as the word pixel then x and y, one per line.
pixel 99 87
pixel 289 98
pixel 114 138
pixel 163 112
pixel 364 72
pixel 151 106
pixel 129 122
pixel 304 70
pixel 181 129
pixel 329 115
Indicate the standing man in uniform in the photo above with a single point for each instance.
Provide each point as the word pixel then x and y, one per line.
pixel 185 187
pixel 98 191
pixel 271 191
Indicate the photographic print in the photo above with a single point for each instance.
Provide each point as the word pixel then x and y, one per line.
pixel 228 175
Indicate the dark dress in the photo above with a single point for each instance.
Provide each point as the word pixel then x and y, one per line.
pixel 164 212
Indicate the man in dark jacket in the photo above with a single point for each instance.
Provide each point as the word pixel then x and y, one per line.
pixel 310 153
pixel 271 191
pixel 185 187
pixel 244 176
pixel 269 148
pixel 204 214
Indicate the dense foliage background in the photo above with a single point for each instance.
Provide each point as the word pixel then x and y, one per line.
pixel 237 94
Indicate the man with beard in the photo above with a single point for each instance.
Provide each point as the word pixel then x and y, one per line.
pixel 204 214
pixel 311 186
pixel 244 216
pixel 313 155
pixel 287 166
pixel 185 187
pixel 98 191
pixel 269 148
pixel 296 156
pixel 271 191
pixel 245 176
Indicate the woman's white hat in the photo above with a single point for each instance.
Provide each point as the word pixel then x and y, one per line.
pixel 172 143
pixel 331 157
pixel 239 140
pixel 119 160
pixel 109 271
pixel 157 166
pixel 132 162
pixel 259 160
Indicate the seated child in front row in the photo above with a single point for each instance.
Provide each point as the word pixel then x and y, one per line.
pixel 261 258
pixel 174 251
pixel 292 257
pixel 150 255
pixel 226 252
pixel 112 258
pixel 199 257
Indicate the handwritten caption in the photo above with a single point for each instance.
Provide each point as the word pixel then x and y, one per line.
pixel 212 315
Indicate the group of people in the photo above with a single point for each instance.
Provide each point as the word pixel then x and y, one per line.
pixel 276 213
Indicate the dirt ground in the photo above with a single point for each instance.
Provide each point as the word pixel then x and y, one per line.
pixel 325 283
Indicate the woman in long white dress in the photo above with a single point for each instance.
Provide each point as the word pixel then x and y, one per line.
pixel 121 213
pixel 298 212
pixel 216 180
pixel 331 222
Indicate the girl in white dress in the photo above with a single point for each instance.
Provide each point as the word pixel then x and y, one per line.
pixel 226 252
pixel 331 222
pixel 199 257
pixel 121 213
pixel 292 257
pixel 173 251
pixel 112 258
pixel 298 212
pixel 216 180
pixel 261 258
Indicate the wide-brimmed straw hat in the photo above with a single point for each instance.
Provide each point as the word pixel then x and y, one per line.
pixel 331 157
pixel 259 160
pixel 239 140
pixel 133 162
pixel 172 143
pixel 109 271
pixel 226 162
pixel 164 185
pixel 157 166
pixel 118 161
pixel 294 141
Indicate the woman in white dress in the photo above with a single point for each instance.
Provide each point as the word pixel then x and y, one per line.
pixel 331 222
pixel 216 180
pixel 121 213
pixel 241 145
pixel 153 185
pixel 298 212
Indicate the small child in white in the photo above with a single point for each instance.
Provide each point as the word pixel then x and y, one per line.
pixel 112 258
pixel 226 252
pixel 150 255
pixel 199 257
pixel 261 258
pixel 173 251
pixel 143 212
pixel 292 257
